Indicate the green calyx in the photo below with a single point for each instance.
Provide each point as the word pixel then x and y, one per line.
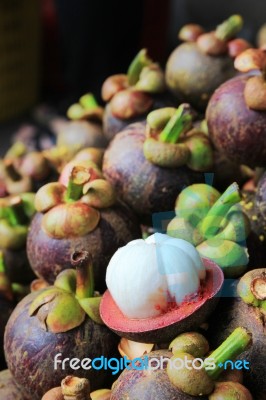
pixel 86 108
pixel 65 305
pixel 74 210
pixel 15 215
pixel 215 224
pixel 171 143
pixel 252 288
pixel 199 379
pixel 229 28
pixel 141 61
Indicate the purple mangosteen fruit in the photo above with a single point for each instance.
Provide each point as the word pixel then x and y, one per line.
pixel 246 308
pixel 201 64
pixel 236 113
pixel 82 216
pixel 149 164
pixel 131 96
pixel 57 323
pixel 164 290
pixel 163 374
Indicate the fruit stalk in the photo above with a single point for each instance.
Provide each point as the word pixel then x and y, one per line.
pixel 79 176
pixel 179 123
pixel 82 261
pixel 139 62
pixel 233 346
pixel 229 28
pixel 75 388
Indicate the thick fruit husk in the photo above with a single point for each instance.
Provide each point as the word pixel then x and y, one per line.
pixel 81 134
pixel 113 125
pixel 149 385
pixel 8 389
pixel 237 131
pixel 193 76
pixel 30 351
pixel 48 256
pixel 167 326
pixel 145 187
pixel 233 312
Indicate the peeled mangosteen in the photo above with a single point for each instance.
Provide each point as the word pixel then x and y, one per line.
pixel 149 164
pixel 201 64
pixel 131 96
pixel 61 321
pixel 8 388
pixel 236 113
pixel 84 216
pixel 164 290
pixel 245 308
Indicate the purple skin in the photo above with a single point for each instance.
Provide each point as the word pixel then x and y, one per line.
pixel 137 384
pixel 145 187
pixel 48 256
pixel 236 130
pixel 30 351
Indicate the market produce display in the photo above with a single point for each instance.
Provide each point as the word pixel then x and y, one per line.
pixel 97 301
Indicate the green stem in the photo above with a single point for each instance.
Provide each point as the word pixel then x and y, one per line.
pixel 229 28
pixel 79 176
pixel 88 101
pixel 213 220
pixel 2 263
pixel 18 149
pixel 14 212
pixel 232 347
pixel 82 261
pixel 139 62
pixel 179 123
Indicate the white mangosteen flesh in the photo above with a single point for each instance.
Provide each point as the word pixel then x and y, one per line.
pixel 144 276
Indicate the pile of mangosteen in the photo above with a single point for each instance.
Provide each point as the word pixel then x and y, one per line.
pixel 133 249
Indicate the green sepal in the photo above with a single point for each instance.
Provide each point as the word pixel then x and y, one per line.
pixel 67 280
pixel 91 306
pixel 231 257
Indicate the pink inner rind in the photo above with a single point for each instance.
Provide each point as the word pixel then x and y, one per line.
pixel 117 321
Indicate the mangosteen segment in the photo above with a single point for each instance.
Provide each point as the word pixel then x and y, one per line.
pixel 166 326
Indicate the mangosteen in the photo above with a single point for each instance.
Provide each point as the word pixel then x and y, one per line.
pixel 164 290
pixel 15 215
pixel 215 224
pixel 131 96
pixel 82 216
pixel 149 164
pixel 50 329
pixel 159 374
pixel 85 128
pixel 245 308
pixel 201 64
pixel 239 131
pixel 8 388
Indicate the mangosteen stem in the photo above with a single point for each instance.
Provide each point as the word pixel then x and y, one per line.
pixel 82 261
pixel 233 346
pixel 139 62
pixel 74 388
pixel 79 176
pixel 88 101
pixel 258 287
pixel 229 28
pixel 179 123
pixel 212 222
pixel 14 212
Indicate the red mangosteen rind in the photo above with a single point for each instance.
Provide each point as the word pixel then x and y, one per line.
pixel 238 131
pixel 49 256
pixel 28 347
pixel 146 385
pixel 166 327
pixel 8 388
pixel 145 187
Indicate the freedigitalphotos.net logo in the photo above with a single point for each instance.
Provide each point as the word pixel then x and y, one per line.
pixel 143 363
